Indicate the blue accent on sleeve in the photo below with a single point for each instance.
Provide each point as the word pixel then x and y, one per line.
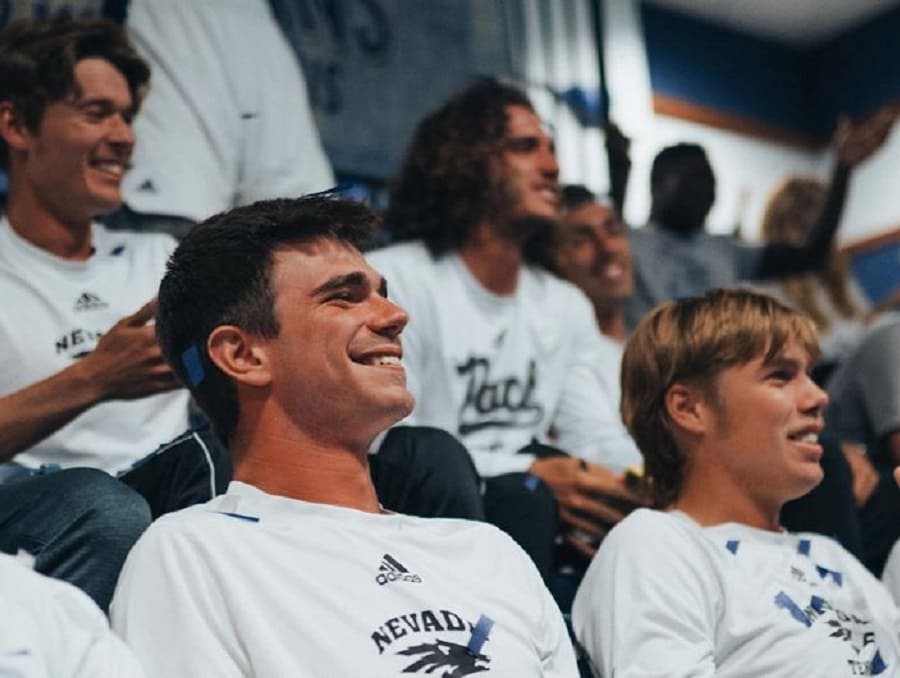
pixel 480 634
pixel 532 482
pixel 117 250
pixel 732 545
pixel 803 547
pixel 817 603
pixel 191 361
pixel 240 516
pixel 784 601
pixel 836 577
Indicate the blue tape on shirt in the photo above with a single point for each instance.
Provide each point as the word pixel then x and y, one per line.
pixel 480 634
pixel 803 547
pixel 817 603
pixel 732 545
pixel 784 601
pixel 240 516
pixel 191 361
pixel 532 482
pixel 878 665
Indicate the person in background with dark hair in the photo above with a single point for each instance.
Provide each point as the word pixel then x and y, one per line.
pixel 295 354
pixel 675 257
pixel 499 351
pixel 592 252
pixel 82 378
pixel 717 393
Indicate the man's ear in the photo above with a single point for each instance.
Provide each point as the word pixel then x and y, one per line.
pixel 13 129
pixel 687 408
pixel 239 355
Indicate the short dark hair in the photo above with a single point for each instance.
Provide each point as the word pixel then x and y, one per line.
pixel 443 188
pixel 220 274
pixel 576 196
pixel 692 341
pixel 38 58
pixel 671 160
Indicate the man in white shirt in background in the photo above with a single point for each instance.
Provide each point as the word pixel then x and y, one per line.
pixel 500 352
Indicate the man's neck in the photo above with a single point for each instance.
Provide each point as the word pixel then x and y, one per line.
pixel 64 238
pixel 304 469
pixel 712 499
pixel 612 322
pixel 493 260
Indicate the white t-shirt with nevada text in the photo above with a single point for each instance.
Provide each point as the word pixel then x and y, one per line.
pixel 252 584
pixel 53 313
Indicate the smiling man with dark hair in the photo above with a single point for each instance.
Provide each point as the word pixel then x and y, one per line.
pixel 289 341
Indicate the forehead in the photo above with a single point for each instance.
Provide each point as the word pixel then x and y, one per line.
pixel 98 79
pixel 523 122
pixel 298 269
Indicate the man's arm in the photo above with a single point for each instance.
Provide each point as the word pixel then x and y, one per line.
pixel 126 364
pixel 854 143
pixel 589 485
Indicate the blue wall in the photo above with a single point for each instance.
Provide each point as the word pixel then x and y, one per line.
pixel 799 90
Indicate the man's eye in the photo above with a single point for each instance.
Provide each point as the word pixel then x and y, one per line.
pixel 94 113
pixel 522 145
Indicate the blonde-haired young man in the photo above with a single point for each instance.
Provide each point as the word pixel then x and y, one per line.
pixel 717 395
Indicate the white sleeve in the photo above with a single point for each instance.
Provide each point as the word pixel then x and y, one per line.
pixel 553 646
pixel 50 628
pixel 556 651
pixel 890 576
pixel 644 608
pixel 587 421
pixel 169 608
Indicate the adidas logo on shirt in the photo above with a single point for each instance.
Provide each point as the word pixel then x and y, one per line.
pixel 391 570
pixel 147 186
pixel 89 302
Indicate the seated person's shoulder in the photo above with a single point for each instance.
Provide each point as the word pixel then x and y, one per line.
pixel 131 243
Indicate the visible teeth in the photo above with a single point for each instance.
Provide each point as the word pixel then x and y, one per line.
pixel 613 271
pixel 383 360
pixel 112 167
pixel 807 437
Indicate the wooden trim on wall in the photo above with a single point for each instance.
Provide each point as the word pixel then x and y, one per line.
pixel 866 245
pixel 703 115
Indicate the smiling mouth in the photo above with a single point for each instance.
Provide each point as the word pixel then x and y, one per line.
pixel 382 360
pixel 113 168
pixel 810 437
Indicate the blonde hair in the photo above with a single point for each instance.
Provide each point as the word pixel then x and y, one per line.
pixel 790 204
pixel 691 342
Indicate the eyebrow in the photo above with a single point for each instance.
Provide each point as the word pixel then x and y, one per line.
pixel 354 279
pixel 782 362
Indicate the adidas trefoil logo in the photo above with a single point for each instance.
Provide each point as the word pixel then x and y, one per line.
pixel 391 570
pixel 89 302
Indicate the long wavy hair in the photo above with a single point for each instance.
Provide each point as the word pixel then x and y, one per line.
pixel 791 211
pixel 444 189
